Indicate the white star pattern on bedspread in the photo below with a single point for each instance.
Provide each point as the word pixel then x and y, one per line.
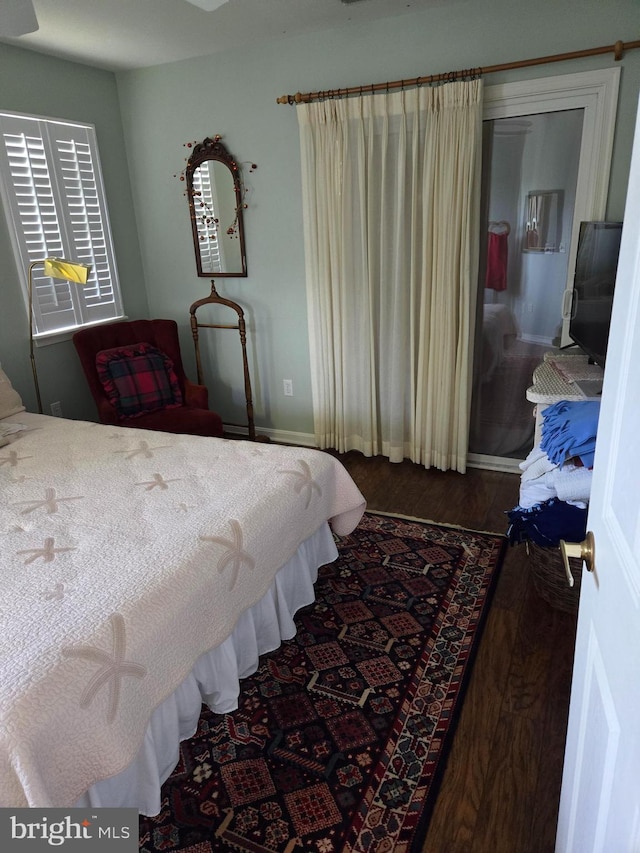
pixel 113 667
pixel 235 556
pixel 12 459
pixel 50 502
pixel 143 449
pixel 55 594
pixel 47 552
pixel 158 482
pixel 305 482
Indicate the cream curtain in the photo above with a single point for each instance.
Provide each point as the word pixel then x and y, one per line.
pixel 391 205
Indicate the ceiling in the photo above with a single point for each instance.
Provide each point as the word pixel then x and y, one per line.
pixel 127 34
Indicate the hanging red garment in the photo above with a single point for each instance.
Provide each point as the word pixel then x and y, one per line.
pixel 497 257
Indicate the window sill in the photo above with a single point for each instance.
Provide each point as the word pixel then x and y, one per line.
pixel 45 339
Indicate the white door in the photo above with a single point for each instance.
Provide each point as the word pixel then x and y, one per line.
pixel 600 802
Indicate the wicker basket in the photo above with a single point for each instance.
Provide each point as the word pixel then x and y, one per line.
pixel 550 579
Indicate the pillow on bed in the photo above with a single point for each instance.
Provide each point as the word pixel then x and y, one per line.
pixel 138 379
pixel 10 401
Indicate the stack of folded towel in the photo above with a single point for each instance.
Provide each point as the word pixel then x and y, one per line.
pixel 542 480
pixel 556 477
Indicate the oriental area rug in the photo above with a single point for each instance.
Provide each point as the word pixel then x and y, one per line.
pixel 342 733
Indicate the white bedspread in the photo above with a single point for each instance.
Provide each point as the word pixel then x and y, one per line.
pixel 127 554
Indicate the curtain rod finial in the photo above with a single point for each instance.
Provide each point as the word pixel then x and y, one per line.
pixel 298 98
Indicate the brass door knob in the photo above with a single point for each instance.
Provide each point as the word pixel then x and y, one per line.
pixel 585 550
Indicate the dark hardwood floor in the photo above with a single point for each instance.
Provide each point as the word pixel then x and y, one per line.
pixel 501 787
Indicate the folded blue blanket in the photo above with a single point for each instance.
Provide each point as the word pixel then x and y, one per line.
pixel 569 429
pixel 547 523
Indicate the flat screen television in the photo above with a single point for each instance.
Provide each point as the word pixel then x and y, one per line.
pixel 593 285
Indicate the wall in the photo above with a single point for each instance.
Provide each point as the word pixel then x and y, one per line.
pixel 40 85
pixel 235 95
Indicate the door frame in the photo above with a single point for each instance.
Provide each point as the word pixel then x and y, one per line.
pixel 595 92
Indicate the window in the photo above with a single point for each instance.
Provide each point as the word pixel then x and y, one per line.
pixel 55 204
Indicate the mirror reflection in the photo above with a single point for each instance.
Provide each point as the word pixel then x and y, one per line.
pixel 216 206
pixel 543 221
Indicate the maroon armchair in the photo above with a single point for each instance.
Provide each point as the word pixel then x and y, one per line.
pixel 135 374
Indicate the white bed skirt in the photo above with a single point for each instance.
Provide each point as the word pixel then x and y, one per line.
pixel 215 679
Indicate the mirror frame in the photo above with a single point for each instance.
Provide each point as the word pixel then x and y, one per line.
pixel 214 149
pixel 556 200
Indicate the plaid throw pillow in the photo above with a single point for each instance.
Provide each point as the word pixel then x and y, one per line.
pixel 138 379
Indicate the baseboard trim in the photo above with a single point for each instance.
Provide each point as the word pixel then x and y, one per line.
pixel 536 339
pixel 494 463
pixel 278 436
pixel 307 439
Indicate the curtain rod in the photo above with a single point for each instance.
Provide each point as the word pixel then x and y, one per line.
pixel 617 49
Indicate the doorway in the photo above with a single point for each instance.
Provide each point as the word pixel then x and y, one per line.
pixel 546 159
pixel 529 179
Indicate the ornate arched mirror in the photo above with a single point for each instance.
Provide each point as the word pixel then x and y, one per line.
pixel 216 204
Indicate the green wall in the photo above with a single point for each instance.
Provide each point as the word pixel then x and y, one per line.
pixel 234 94
pixel 41 85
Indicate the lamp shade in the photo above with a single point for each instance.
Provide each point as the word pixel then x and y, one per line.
pixel 68 270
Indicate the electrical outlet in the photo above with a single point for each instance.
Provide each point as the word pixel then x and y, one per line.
pixel 56 409
pixel 287 386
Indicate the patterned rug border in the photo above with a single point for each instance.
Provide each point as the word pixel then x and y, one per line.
pixel 447 524
pixel 416 845
pixel 425 818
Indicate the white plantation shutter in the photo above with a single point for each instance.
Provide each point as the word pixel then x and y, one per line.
pixel 207 211
pixel 54 199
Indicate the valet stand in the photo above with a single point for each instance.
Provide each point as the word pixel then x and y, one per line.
pixel 215 299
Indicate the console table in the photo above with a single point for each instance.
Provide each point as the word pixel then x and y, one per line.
pixel 563 376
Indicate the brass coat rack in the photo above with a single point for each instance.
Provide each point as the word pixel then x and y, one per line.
pixel 215 299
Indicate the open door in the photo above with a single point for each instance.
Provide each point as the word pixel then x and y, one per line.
pixel 594 94
pixel 600 801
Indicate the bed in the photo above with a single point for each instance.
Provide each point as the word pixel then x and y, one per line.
pixel 143 573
